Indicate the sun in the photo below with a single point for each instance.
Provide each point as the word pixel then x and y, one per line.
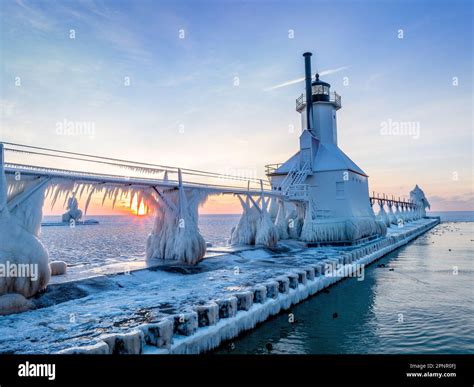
pixel 134 207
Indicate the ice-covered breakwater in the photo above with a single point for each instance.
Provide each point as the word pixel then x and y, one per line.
pixel 174 309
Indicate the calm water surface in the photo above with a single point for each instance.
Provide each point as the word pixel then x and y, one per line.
pixel 421 306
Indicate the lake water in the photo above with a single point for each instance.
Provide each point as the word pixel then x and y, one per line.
pixel 424 305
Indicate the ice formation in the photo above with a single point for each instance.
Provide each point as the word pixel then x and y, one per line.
pixel 295 220
pixel 274 208
pixel 20 249
pixel 267 234
pixel 348 230
pixel 58 267
pixel 175 235
pixel 391 216
pixel 418 197
pixel 255 226
pixel 281 221
pixel 73 211
pixel 245 231
pixel 338 229
pixel 398 214
pixel 382 215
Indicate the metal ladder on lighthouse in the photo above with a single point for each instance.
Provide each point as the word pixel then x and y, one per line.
pixel 293 186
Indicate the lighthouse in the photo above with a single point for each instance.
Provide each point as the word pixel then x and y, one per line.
pixel 329 193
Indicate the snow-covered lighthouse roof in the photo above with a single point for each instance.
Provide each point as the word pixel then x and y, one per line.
pixel 328 158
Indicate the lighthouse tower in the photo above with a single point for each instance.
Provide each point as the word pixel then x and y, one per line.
pixel 320 180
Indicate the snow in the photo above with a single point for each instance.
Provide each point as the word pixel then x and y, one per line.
pixel 14 303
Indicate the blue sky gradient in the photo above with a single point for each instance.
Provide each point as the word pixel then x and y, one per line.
pixel 183 106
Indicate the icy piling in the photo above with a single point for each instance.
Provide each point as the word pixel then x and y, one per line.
pixel 259 294
pixel 130 343
pixel 273 288
pixel 208 314
pixel 186 324
pixel 158 334
pixel 227 307
pixel 244 300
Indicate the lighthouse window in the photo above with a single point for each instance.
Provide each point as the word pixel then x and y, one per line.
pixel 318 89
pixel 326 90
pixel 340 190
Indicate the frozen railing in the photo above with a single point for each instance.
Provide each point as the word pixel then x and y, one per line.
pixel 298 192
pixel 271 168
pixel 55 163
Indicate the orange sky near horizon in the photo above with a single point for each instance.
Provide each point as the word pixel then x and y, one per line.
pixel 216 204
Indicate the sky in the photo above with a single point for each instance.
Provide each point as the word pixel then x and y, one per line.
pixel 192 84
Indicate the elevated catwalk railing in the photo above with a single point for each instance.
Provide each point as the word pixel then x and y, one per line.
pixel 385 199
pixel 33 161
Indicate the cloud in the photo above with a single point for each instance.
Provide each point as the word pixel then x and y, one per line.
pixel 33 17
pixel 460 202
pixel 298 80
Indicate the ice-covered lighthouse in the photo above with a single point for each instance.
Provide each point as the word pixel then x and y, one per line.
pixel 328 192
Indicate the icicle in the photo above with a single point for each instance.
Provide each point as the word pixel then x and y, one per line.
pixel 56 195
pixel 86 207
pixel 115 197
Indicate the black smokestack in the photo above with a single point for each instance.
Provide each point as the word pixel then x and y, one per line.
pixel 309 102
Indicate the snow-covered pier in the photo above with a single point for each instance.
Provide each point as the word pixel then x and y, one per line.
pixel 179 309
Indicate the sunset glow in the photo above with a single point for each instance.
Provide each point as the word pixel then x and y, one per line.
pixel 136 209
